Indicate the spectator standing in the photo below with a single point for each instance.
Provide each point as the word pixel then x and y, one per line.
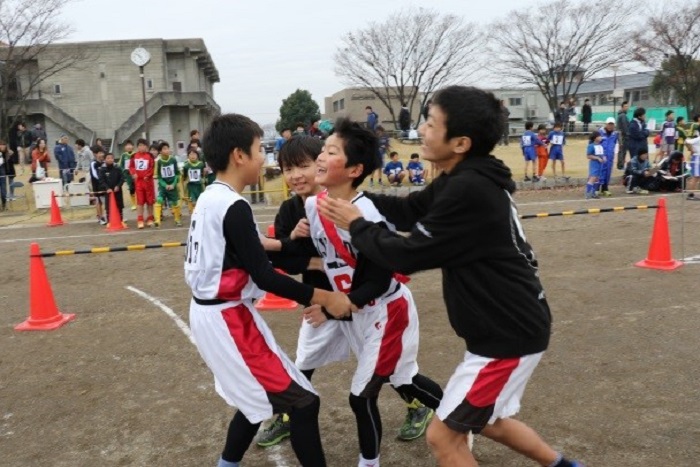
pixel 623 126
pixel 372 118
pixel 382 148
pixel 40 160
pixel 562 115
pixel 111 181
pixel 285 135
pixel 300 131
pixel 37 134
pixel 10 159
pixel 586 114
pixel 24 146
pixel 5 155
pixel 95 167
pixel 83 155
pixel 506 123
pixel 314 130
pixel 66 159
pixel 610 138
pixel 404 120
pixel 194 136
pixel 638 132
pixel 694 145
pixel 668 135
pixel 571 111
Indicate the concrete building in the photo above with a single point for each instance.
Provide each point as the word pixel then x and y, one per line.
pixel 351 102
pixel 102 97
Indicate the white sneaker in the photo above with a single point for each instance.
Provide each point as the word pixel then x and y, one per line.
pixel 103 221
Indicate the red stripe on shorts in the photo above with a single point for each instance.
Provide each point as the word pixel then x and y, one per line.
pixel 490 382
pixel 231 284
pixel 263 363
pixel 391 346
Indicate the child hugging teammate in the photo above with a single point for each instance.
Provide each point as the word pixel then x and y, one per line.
pixel 141 166
pixel 193 178
pixel 317 346
pixel 466 223
pixel 383 333
pixel 226 268
pixel 168 178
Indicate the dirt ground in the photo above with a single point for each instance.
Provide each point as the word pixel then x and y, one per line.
pixel 122 385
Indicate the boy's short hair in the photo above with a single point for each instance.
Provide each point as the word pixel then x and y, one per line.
pixel 285 129
pixel 541 126
pixel 194 141
pixel 154 146
pixel 379 128
pixel 141 141
pixel 128 141
pixel 593 136
pixel 529 125
pixel 558 125
pixel 415 155
pixel 669 112
pixel 679 119
pixel 696 117
pixel 393 153
pixel 639 111
pixel 625 103
pixel 80 142
pixel 299 124
pixel 226 133
pixel 96 149
pixel 360 146
pixel 162 145
pixel 473 113
pixel 643 151
pixel 193 132
pixel 192 151
pixel 299 149
pixel 369 107
pixel 109 154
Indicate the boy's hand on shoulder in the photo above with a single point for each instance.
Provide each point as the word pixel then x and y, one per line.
pixel 339 211
pixel 302 230
pixel 314 315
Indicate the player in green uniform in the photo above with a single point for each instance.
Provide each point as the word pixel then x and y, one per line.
pixel 124 165
pixel 193 178
pixel 168 178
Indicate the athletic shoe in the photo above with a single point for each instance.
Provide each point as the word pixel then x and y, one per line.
pixel 526 179
pixel 535 178
pixel 276 432
pixel 606 193
pixel 567 178
pixel 103 221
pixel 139 225
pixel 178 224
pixel 156 225
pixel 150 223
pixel 416 423
pixel 124 224
pixel 133 208
pixel 542 178
pixel 630 192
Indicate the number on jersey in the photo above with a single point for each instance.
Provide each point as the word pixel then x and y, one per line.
pixel 194 175
pixel 141 164
pixel 167 171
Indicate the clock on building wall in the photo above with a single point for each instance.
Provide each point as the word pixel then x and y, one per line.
pixel 140 56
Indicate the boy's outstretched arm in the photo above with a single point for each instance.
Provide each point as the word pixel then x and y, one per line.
pixel 404 211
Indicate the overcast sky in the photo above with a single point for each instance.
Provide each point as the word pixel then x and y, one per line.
pixel 264 50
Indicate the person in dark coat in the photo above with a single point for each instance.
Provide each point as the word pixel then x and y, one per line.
pixel 638 132
pixel 586 114
pixel 404 120
pixel 111 180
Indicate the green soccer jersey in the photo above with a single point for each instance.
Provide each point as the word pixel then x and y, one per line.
pixel 166 171
pixel 124 161
pixel 193 173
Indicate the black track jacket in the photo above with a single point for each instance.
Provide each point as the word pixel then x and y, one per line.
pixel 466 223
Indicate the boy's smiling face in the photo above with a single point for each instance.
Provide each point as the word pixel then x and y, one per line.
pixel 436 147
pixel 301 178
pixel 330 165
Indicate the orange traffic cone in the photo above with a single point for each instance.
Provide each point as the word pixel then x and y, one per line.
pixel 115 218
pixel 43 314
pixel 271 230
pixel 659 256
pixel 55 213
pixel 270 301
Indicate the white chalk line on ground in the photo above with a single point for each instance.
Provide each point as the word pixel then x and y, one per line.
pixel 273 453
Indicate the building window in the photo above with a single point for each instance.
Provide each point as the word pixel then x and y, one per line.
pixel 149 84
pixel 177 86
pixel 57 89
pixel 644 95
pixel 335 106
pixel 515 101
pixel 635 96
pixel 341 104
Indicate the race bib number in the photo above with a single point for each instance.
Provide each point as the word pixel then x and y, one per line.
pixel 193 254
pixel 669 132
pixel 599 150
pixel 395 171
pixel 527 140
pixel 194 175
pixel 558 139
pixel 141 164
pixel 167 171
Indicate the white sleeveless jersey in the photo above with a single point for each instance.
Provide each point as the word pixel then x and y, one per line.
pixel 209 273
pixel 338 271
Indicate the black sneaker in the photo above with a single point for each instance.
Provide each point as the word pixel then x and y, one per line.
pixel 526 179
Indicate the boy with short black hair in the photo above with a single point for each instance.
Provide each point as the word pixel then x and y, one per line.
pixel 95 166
pixel 141 167
pixel 384 314
pixel 168 179
pixel 394 169
pixel 415 170
pixel 668 135
pixel 595 153
pixel 124 164
pixel 111 181
pixel 557 140
pixel 193 178
pixel 528 142
pixel 226 268
pixel 466 223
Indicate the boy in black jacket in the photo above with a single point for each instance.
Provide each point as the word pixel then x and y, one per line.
pixel 466 223
pixel 111 180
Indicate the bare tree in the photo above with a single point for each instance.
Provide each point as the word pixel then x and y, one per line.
pixel 558 45
pixel 673 47
pixel 408 56
pixel 27 31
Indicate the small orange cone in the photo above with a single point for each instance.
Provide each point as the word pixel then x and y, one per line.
pixel 115 219
pixel 271 230
pixel 55 213
pixel 270 301
pixel 659 256
pixel 43 314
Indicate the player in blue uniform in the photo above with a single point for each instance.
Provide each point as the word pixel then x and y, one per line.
pixel 528 141
pixel 394 169
pixel 415 170
pixel 609 141
pixel 557 140
pixel 596 158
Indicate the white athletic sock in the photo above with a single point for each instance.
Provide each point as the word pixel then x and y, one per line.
pixel 368 463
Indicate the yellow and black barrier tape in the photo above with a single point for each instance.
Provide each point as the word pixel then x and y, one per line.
pixel 111 249
pixel 588 211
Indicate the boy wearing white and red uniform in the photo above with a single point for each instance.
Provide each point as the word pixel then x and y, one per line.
pixel 141 166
